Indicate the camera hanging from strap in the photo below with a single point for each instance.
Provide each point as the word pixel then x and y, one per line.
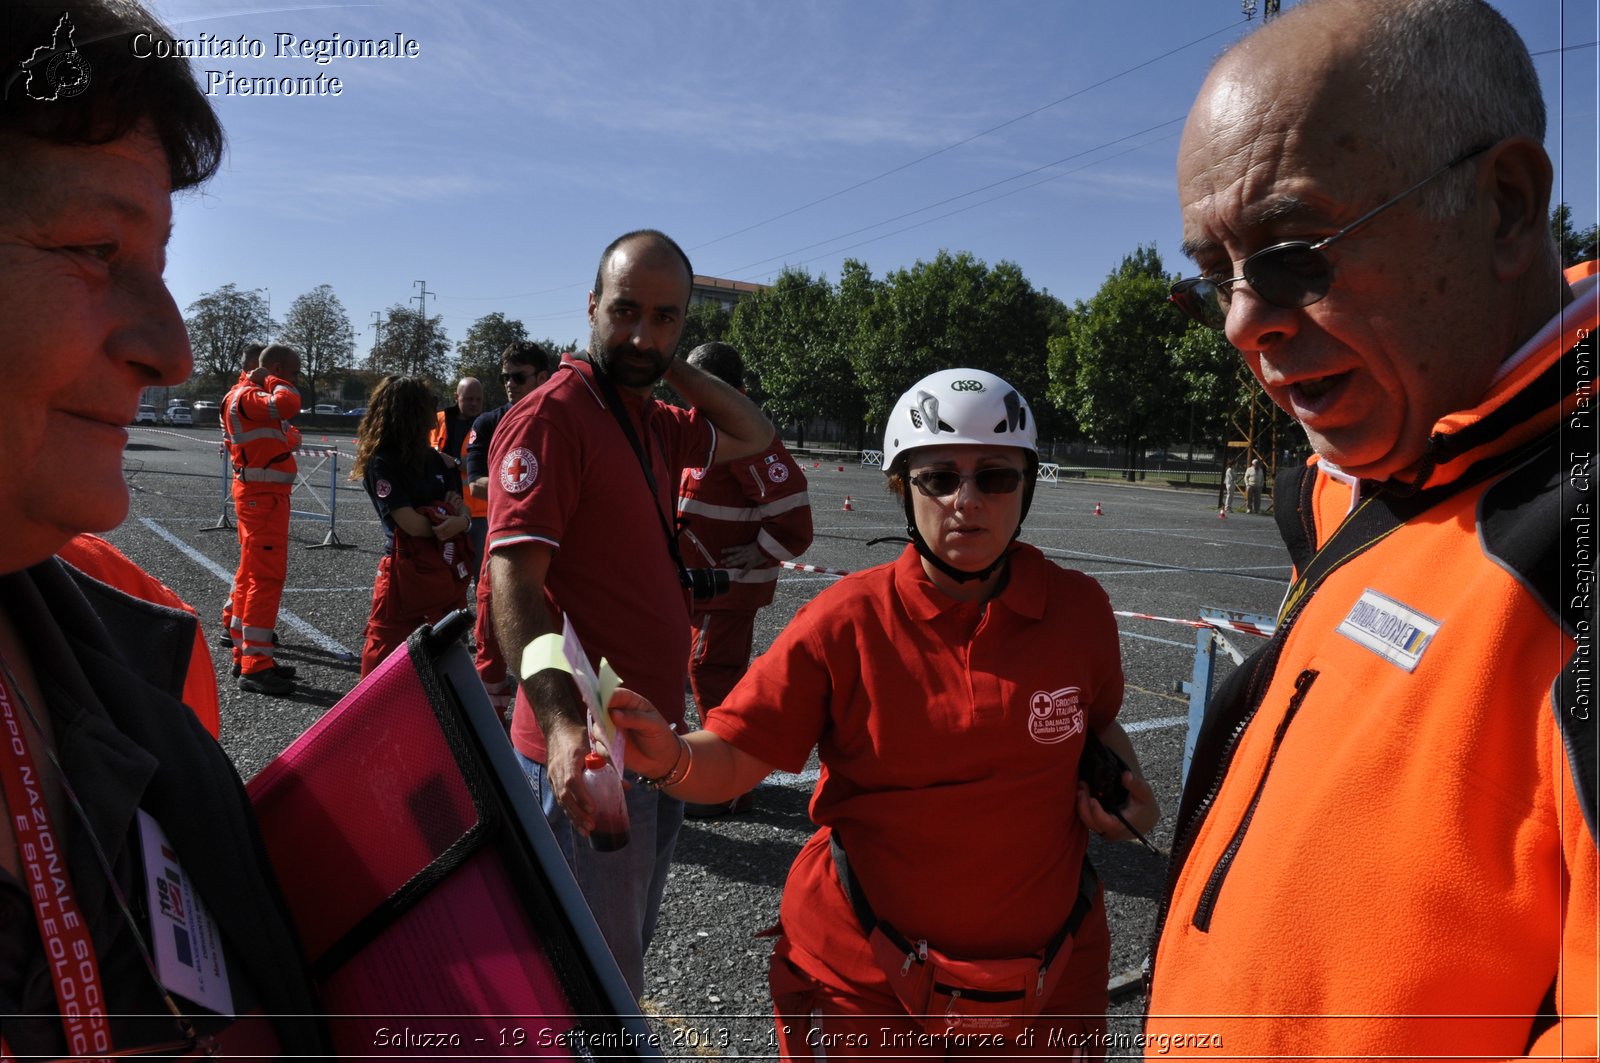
pixel 613 402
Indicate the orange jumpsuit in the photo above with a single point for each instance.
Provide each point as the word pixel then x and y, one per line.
pixel 261 445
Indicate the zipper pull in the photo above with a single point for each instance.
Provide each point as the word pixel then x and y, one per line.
pixel 1038 989
pixel 955 998
pixel 922 951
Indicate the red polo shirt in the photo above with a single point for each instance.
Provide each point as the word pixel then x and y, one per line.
pixel 949 734
pixel 561 472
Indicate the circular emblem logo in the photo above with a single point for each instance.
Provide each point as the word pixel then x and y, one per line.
pixel 778 473
pixel 698 474
pixel 383 488
pixel 68 74
pixel 518 470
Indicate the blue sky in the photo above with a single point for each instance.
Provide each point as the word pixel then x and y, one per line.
pixel 525 135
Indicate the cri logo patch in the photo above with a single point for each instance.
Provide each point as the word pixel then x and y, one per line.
pixel 518 470
pixel 1055 716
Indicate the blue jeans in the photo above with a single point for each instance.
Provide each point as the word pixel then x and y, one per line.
pixel 624 887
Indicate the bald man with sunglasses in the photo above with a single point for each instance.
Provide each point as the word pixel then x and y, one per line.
pixel 1386 844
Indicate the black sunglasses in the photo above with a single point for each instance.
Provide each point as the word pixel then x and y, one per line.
pixel 515 378
pixel 1291 275
pixel 943 483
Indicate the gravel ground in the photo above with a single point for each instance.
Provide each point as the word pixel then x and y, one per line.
pixel 1156 550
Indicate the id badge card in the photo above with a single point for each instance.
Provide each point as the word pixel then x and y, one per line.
pixel 184 937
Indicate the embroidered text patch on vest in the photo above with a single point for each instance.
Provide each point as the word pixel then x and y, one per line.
pixel 1398 634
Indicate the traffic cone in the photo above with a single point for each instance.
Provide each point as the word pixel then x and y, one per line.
pixel 841 468
pixel 847 506
pixel 1097 511
pixel 816 465
pixel 1222 514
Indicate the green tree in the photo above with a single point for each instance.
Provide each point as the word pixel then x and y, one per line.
pixel 784 336
pixel 318 327
pixel 220 323
pixel 1112 369
pixel 705 322
pixel 479 354
pixel 953 311
pixel 1215 386
pixel 412 344
pixel 1575 245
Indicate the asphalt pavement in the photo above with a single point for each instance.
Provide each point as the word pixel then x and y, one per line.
pixel 1157 550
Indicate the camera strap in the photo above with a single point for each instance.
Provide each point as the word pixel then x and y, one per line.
pixel 613 402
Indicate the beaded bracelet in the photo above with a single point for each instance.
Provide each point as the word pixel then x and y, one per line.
pixel 674 777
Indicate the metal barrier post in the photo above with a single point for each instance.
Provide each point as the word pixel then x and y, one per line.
pixel 332 539
pixel 1199 690
pixel 227 493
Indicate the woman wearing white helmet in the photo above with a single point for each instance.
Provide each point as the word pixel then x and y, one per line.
pixel 949 695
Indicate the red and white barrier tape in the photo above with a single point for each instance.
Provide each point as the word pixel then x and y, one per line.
pixel 815 568
pixel 305 450
pixel 1241 627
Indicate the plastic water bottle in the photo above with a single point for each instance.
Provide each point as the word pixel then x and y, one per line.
pixel 611 811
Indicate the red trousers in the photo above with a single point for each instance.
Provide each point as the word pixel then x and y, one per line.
pixel 416 585
pixel 719 654
pixel 813 1021
pixel 252 609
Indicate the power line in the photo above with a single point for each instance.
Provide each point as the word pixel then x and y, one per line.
pixel 973 192
pixel 980 203
pixel 967 140
pixel 903 166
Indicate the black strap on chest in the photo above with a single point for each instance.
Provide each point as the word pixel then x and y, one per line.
pixel 1088 887
pixel 613 402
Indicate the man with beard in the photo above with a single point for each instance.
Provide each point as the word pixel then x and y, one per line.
pixel 580 516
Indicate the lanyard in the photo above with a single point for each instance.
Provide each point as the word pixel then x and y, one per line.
pixel 69 950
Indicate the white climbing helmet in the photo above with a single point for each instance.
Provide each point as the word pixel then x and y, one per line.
pixel 959 406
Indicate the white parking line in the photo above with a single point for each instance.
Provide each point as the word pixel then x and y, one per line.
pixel 304 628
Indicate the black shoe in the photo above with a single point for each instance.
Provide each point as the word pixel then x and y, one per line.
pixel 742 803
pixel 225 639
pixel 287 670
pixel 271 682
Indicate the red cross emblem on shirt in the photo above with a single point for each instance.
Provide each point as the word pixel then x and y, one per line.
pixel 518 470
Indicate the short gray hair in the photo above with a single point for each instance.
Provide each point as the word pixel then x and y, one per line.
pixel 1447 76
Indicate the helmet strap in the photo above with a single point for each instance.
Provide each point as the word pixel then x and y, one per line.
pixel 959 575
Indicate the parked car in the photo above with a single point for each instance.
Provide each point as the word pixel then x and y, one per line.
pixel 359 411
pixel 326 407
pixel 206 406
pixel 146 415
pixel 180 416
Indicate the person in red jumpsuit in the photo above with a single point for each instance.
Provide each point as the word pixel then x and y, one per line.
pixel 257 414
pixel 424 570
pixel 949 695
pixel 743 517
